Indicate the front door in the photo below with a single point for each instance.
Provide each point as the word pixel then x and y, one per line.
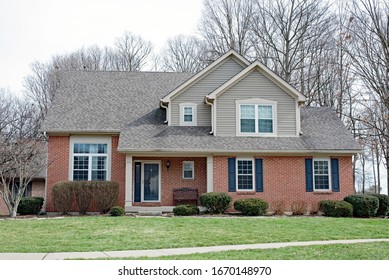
pixel 147 182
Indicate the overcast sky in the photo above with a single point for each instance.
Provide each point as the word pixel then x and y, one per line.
pixel 35 30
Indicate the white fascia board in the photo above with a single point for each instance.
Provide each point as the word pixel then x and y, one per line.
pixel 204 72
pixel 265 71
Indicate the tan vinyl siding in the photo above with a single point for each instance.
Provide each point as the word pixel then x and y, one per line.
pixel 197 92
pixel 255 85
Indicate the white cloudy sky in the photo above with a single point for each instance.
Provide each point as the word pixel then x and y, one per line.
pixel 33 30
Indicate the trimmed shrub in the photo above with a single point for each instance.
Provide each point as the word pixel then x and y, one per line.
pixel 216 202
pixel 315 208
pixel 30 205
pixel 251 206
pixel 62 194
pixel 116 211
pixel 106 194
pixel 336 208
pixel 299 207
pixel 186 210
pixel 383 207
pixel 364 206
pixel 83 193
pixel 278 207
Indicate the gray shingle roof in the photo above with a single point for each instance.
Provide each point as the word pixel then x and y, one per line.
pixel 129 103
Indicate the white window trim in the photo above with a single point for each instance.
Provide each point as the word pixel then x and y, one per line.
pixel 194 114
pixel 193 170
pixel 90 140
pixel 256 101
pixel 329 174
pixel 236 175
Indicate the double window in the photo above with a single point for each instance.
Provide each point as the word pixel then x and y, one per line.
pixel 256 117
pixel 90 160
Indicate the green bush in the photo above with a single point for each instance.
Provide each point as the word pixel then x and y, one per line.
pixel 383 208
pixel 83 192
pixel 251 206
pixel 364 206
pixel 336 208
pixel 216 202
pixel 116 211
pixel 30 205
pixel 106 194
pixel 62 194
pixel 186 210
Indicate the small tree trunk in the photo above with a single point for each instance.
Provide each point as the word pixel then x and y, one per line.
pixel 13 212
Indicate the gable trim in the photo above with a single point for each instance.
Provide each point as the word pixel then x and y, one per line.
pixel 236 56
pixel 263 70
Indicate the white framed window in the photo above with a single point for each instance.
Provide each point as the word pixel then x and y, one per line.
pixel 188 169
pixel 90 159
pixel 321 175
pixel 256 117
pixel 188 114
pixel 245 175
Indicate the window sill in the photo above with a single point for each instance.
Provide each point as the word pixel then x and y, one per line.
pixel 322 192
pixel 245 192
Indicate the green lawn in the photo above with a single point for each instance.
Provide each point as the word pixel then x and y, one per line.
pixel 126 233
pixel 358 251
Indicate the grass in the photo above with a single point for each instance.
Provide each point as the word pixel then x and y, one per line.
pixel 358 251
pixel 82 234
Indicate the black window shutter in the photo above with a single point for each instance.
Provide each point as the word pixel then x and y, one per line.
pixel 258 175
pixel 308 175
pixel 335 175
pixel 137 182
pixel 231 175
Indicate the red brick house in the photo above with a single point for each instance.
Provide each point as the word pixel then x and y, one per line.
pixel 233 127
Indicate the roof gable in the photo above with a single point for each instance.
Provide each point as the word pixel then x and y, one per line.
pixel 258 66
pixel 240 59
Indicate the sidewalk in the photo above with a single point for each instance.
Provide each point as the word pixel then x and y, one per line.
pixel 174 251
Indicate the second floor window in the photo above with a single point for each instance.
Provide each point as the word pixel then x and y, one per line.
pixel 256 119
pixel 188 114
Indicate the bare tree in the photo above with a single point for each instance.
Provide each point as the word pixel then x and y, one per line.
pixel 285 30
pixel 22 152
pixel 225 25
pixel 130 54
pixel 370 54
pixel 184 54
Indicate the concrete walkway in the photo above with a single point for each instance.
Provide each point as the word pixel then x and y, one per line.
pixel 175 251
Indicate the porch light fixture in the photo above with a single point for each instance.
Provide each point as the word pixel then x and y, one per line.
pixel 168 164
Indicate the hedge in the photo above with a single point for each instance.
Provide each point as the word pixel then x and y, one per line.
pixel 186 210
pixel 383 207
pixel 216 202
pixel 116 211
pixel 104 193
pixel 251 206
pixel 30 205
pixel 364 206
pixel 336 208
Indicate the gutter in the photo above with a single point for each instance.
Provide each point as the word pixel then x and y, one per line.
pixel 166 108
pixel 212 115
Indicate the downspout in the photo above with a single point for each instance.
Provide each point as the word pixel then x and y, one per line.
pixel 166 108
pixel 212 115
pixel 44 207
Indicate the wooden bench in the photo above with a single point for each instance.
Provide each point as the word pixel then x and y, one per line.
pixel 185 196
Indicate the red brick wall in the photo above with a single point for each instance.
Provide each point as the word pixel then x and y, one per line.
pixel 172 178
pixel 284 180
pixel 59 167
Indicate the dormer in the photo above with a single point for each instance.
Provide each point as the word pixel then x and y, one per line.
pixel 185 105
pixel 255 103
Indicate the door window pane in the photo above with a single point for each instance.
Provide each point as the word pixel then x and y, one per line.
pixel 151 181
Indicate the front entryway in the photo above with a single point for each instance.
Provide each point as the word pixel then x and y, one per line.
pixel 147 182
